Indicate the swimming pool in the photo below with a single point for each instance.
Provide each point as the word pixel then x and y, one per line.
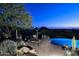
pixel 63 41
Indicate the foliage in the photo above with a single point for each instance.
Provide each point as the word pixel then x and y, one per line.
pixel 8 47
pixel 14 15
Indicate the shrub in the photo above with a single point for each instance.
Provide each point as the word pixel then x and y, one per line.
pixel 8 48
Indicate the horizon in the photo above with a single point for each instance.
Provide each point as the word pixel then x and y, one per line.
pixel 59 27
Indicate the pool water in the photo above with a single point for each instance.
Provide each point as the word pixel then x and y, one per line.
pixel 63 41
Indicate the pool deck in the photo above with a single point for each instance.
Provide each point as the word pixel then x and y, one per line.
pixel 45 48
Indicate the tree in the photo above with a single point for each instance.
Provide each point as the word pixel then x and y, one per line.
pixel 14 15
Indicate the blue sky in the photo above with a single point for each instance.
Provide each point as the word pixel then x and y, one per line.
pixel 54 14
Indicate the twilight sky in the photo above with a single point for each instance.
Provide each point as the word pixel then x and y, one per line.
pixel 54 14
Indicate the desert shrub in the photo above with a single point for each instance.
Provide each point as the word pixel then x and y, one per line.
pixel 8 47
pixel 20 42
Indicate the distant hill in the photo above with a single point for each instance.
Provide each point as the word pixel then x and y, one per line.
pixel 61 32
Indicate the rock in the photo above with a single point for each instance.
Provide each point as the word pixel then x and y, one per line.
pixel 32 51
pixel 25 49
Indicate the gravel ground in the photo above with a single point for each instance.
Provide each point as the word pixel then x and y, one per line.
pixel 45 48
